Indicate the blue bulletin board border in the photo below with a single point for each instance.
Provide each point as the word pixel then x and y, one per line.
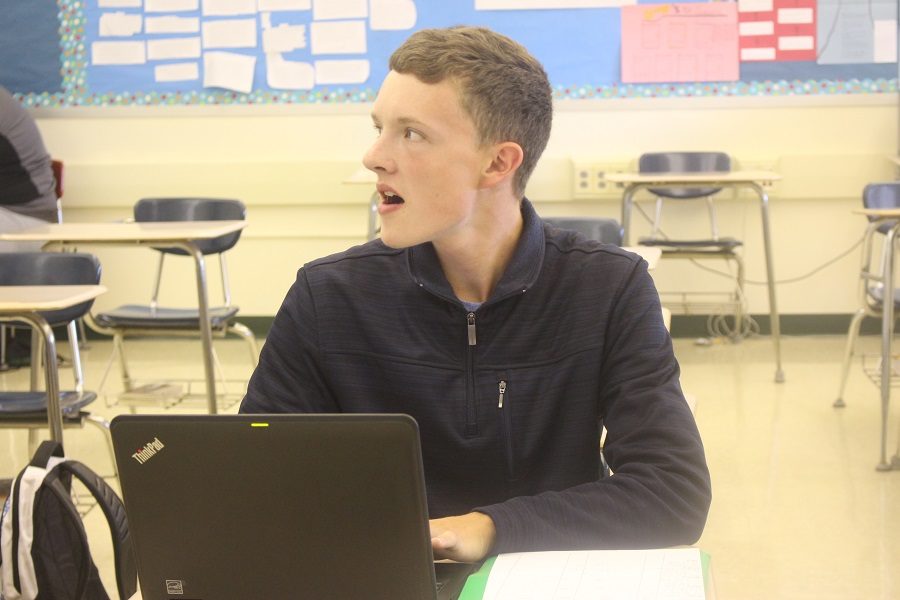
pixel 75 92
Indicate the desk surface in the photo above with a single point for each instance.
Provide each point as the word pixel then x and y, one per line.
pixel 884 213
pixel 25 298
pixel 160 231
pixel 711 177
pixel 651 254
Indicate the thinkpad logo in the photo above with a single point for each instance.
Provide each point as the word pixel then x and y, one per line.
pixel 149 451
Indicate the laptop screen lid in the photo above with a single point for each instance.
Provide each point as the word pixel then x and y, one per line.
pixel 233 507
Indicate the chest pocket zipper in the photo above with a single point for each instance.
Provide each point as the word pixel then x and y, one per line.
pixel 506 428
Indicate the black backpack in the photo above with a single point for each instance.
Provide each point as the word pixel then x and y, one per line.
pixel 40 512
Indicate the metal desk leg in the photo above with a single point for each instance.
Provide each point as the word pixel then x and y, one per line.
pixel 54 414
pixel 770 278
pixel 887 334
pixel 627 204
pixel 205 327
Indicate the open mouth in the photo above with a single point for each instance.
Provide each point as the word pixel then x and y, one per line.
pixel 391 198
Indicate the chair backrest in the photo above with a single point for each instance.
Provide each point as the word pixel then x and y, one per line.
pixel 603 230
pixel 684 162
pixel 52 268
pixel 882 195
pixel 194 209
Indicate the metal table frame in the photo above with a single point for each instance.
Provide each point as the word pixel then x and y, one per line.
pixel 753 180
pixel 175 234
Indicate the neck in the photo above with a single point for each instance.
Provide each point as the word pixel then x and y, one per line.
pixel 474 260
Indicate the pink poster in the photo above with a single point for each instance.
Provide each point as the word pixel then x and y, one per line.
pixel 680 42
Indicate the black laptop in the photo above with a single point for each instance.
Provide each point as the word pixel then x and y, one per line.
pixel 240 507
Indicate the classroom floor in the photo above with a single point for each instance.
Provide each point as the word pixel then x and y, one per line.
pixel 799 511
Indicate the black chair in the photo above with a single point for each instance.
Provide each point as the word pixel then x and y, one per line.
pixel 28 409
pixel 871 288
pixel 155 320
pixel 604 230
pixel 713 246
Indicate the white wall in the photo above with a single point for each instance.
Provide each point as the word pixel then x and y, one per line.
pixel 289 163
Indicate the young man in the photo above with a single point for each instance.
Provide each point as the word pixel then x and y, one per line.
pixel 508 341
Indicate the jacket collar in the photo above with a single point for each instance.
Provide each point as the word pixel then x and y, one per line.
pixel 521 272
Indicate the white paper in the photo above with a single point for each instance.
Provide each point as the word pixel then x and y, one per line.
pixel 229 70
pixel 795 15
pixel 289 75
pixel 756 28
pixel 332 72
pixel 172 25
pixel 170 5
pixel 796 42
pixel 748 54
pixel 177 72
pixel 170 48
pixel 120 24
pixel 284 38
pixel 392 15
pixel 228 8
pixel 885 42
pixel 340 9
pixel 671 574
pixel 547 4
pixel 755 5
pixel 118 3
pixel 338 37
pixel 273 5
pixel 118 53
pixel 229 33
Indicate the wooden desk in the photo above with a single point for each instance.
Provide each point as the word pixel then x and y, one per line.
pixel 651 254
pixel 176 234
pixel 23 303
pixel 364 176
pixel 753 180
pixel 887 326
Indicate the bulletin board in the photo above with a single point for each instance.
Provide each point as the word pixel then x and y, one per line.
pixel 73 53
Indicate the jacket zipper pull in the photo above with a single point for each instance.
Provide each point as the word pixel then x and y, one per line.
pixel 470 319
pixel 502 387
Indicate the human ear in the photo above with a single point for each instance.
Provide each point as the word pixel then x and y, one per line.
pixel 505 159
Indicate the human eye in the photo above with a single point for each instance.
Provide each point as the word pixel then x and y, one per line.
pixel 413 135
pixel 377 128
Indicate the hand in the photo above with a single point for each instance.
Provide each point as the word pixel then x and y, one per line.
pixel 466 538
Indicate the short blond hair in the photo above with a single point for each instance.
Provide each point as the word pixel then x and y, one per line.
pixel 502 87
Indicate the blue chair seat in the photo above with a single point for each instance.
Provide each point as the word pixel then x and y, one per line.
pixel 30 406
pixel 141 316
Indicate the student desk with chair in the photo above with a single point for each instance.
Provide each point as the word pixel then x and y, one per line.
pixel 181 234
pixel 889 215
pixel 24 303
pixel 753 180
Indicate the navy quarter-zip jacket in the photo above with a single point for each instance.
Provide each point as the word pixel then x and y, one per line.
pixel 509 398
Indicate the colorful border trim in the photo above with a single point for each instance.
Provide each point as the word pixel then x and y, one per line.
pixel 74 65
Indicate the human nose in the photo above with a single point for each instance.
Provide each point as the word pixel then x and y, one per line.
pixel 376 157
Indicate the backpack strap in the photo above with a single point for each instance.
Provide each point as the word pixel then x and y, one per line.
pixel 126 568
pixel 19 577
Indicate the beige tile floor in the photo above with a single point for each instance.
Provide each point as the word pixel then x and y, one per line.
pixel 799 511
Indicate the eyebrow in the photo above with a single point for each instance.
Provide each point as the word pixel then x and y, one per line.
pixel 402 121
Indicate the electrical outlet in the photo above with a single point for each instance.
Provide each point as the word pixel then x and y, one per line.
pixel 589 179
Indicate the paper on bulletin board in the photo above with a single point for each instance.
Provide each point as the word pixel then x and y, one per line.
pixel 777 30
pixel 680 42
pixel 857 33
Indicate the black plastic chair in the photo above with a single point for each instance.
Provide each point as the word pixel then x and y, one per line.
pixel 713 246
pixel 608 231
pixel 871 289
pixel 28 409
pixel 155 320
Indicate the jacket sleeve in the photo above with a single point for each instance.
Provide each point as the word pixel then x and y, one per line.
pixel 659 493
pixel 288 377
